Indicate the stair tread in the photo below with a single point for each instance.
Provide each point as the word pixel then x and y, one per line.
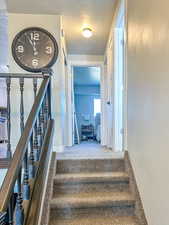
pixel 91 199
pixel 113 220
pixel 89 176
pixel 90 165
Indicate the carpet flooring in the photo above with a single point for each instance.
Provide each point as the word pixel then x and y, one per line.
pixel 91 191
pixel 88 150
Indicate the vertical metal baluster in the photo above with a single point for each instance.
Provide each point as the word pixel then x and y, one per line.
pixel 32 159
pixel 19 215
pixel 43 119
pixel 40 133
pixel 10 212
pixel 44 115
pixel 26 187
pixel 21 83
pixel 49 92
pixel 47 104
pixel 35 85
pixel 46 111
pixel 35 143
pixel 8 85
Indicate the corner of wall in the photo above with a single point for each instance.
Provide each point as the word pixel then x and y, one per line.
pixel 139 210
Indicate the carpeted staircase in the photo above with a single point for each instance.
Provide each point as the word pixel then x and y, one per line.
pixel 89 192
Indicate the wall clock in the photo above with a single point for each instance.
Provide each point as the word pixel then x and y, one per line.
pixel 34 49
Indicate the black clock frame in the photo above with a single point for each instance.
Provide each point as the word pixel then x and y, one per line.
pixel 34 70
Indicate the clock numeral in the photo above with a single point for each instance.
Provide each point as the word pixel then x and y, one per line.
pixel 35 62
pixel 20 48
pixel 48 50
pixel 35 36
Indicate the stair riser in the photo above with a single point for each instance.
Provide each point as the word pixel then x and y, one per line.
pixel 77 166
pixel 88 187
pixel 72 213
pixel 97 221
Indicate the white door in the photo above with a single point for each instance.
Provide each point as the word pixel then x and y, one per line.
pixel 119 88
pixel 104 121
pixel 109 106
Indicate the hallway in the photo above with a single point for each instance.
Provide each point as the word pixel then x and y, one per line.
pixel 90 183
pixel 89 150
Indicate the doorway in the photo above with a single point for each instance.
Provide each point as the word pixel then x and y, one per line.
pixel 86 102
pixel 87 105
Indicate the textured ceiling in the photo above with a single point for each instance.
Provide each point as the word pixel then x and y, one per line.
pixel 95 13
pixel 89 76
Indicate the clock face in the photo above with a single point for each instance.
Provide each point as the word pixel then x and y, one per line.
pixel 34 49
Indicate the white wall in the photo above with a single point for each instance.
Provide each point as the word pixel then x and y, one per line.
pixel 148 104
pixel 3 96
pixel 3 5
pixel 53 24
pixel 3 50
pixel 3 38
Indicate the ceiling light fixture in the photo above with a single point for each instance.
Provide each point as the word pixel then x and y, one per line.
pixel 87 32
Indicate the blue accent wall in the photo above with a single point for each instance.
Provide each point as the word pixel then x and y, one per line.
pixel 84 103
pixel 89 76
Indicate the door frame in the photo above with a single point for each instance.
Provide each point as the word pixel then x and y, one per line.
pixel 70 97
pixel 122 12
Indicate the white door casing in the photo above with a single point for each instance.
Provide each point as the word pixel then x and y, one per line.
pixel 118 89
pixel 70 98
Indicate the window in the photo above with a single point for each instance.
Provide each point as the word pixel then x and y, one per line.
pixel 97 106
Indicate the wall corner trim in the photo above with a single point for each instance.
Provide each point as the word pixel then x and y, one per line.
pixel 139 210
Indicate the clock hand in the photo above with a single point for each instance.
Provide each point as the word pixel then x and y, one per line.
pixel 30 41
pixel 34 48
pixel 33 44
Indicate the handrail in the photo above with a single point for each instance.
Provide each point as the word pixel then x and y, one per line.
pixel 14 169
pixel 19 75
pixel 34 212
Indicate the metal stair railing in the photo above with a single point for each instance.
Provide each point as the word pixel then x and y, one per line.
pixel 28 166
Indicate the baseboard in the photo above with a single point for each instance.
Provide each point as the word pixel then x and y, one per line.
pixel 139 211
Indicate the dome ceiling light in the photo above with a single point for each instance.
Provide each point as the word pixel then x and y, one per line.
pixel 87 32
